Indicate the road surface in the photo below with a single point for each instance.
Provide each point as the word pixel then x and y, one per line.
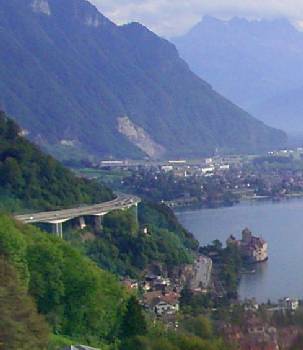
pixel 123 201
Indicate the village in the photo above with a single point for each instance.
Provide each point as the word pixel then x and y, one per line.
pixel 160 295
pixel 249 326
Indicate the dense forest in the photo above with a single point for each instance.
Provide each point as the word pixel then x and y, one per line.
pixel 32 180
pixel 127 247
pixel 76 298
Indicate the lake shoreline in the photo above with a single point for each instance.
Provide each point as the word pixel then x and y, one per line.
pixel 278 222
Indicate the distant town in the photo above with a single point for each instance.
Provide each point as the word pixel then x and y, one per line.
pixel 208 182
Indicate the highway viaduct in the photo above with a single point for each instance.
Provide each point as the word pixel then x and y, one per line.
pixel 58 217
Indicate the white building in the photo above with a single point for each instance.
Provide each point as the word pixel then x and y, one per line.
pixel 208 170
pixel 224 167
pixel 167 168
pixel 288 304
pixel 208 161
pixel 166 308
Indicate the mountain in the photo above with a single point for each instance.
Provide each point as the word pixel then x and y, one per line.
pixel 32 180
pixel 256 64
pixel 78 83
pixel 287 109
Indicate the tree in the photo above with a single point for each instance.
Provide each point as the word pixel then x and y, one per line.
pixel 217 245
pixel 13 248
pixel 186 296
pixel 21 327
pixel 200 327
pixel 121 222
pixel 133 322
pixel 45 259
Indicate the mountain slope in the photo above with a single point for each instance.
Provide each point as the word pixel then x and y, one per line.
pixel 78 299
pixel 29 179
pixel 256 64
pixel 287 110
pixel 76 81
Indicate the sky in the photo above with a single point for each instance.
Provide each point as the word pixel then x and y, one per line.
pixel 174 17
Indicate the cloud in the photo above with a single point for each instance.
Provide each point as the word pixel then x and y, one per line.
pixel 173 17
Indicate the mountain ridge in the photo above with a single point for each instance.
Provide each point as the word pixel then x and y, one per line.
pixel 255 63
pixel 68 74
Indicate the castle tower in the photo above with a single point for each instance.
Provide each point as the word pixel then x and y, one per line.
pixel 246 235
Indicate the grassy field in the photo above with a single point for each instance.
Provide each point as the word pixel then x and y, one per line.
pixel 111 178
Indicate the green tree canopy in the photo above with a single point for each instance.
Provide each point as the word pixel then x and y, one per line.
pixel 21 327
pixel 38 181
pixel 133 322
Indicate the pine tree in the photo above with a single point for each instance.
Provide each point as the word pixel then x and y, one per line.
pixel 133 322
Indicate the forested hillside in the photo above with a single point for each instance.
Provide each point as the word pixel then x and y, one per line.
pixel 52 296
pixel 128 247
pixel 81 85
pixel 77 299
pixel 30 179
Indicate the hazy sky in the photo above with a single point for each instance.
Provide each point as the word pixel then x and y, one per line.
pixel 173 17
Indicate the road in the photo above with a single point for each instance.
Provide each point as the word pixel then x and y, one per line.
pixel 202 273
pixel 123 201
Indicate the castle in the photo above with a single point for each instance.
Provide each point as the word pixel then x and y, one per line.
pixel 252 248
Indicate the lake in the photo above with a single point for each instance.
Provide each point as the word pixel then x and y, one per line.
pixel 279 223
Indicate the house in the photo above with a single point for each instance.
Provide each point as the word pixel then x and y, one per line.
pixel 167 168
pixel 251 305
pixel 156 283
pixel 162 303
pixel 224 167
pixel 288 304
pixel 166 307
pixel 208 170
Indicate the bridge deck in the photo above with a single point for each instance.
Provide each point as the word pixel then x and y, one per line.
pixel 59 216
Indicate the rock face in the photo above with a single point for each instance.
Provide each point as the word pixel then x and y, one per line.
pixel 140 138
pixel 68 73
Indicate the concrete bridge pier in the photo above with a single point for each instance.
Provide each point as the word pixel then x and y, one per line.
pixel 98 222
pixel 87 214
pixel 136 212
pixel 82 223
pixel 57 229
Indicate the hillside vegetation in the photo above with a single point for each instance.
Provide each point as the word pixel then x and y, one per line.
pixel 81 85
pixel 77 299
pixel 125 248
pixel 21 327
pixel 30 179
pixel 52 296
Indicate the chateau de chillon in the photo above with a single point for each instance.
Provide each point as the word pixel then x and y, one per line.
pixel 253 248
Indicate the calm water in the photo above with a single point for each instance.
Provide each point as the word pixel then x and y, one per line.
pixel 281 224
